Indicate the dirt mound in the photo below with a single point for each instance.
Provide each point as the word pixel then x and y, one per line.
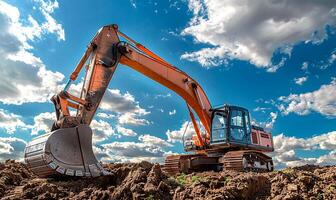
pixel 147 181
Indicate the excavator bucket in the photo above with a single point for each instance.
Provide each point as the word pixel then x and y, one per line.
pixel 65 151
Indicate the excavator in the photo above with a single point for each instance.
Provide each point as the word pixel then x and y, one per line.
pixel 224 138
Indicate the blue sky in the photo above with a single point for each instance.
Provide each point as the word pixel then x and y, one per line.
pixel 269 58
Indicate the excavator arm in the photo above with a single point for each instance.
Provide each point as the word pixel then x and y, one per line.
pixel 105 52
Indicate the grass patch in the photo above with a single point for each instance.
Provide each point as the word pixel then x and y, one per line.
pixel 195 178
pixel 181 179
pixel 226 180
pixel 288 171
pixel 331 188
pixel 150 197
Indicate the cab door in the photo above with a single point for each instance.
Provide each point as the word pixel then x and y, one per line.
pixel 219 128
pixel 240 128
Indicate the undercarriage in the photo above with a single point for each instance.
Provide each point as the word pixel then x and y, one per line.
pixel 240 160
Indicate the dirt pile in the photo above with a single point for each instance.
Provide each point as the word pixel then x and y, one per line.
pixel 147 181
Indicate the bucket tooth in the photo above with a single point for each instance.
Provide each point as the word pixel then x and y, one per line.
pixel 65 151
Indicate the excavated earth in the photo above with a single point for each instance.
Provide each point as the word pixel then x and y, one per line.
pixel 147 181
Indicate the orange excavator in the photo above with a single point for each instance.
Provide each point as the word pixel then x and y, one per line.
pixel 224 139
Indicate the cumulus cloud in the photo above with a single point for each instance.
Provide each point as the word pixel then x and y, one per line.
pixel 102 130
pixel 24 76
pixel 187 129
pixel 125 106
pixel 105 115
pixel 50 25
pixel 150 139
pixel 132 119
pixel 43 123
pixel 321 101
pixel 254 31
pixel 268 125
pixel 132 152
pixel 147 148
pixel 126 131
pixel 11 148
pixel 115 101
pixel 10 122
pixel 273 117
pixel 286 147
pixel 301 80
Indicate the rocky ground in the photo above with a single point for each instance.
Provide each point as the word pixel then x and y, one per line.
pixel 147 181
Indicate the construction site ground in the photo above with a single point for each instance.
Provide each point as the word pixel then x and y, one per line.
pixel 147 181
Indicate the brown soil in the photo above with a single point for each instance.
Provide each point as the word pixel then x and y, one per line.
pixel 147 181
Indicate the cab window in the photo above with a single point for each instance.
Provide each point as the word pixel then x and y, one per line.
pixel 237 125
pixel 237 118
pixel 248 124
pixel 218 127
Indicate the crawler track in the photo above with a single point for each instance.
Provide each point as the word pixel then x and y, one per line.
pixel 247 161
pixel 172 164
pixel 242 160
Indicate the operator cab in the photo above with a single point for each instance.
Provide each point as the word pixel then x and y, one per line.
pixel 231 125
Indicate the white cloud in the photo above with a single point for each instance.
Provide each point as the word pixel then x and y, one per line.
pixel 132 119
pixel 50 25
pixel 286 147
pixel 332 58
pixel 304 66
pixel 102 130
pixel 148 148
pixel 43 123
pixel 10 122
pixel 301 80
pixel 132 151
pixel 11 148
pixel 125 106
pixel 261 109
pixel 24 76
pixel 105 115
pixel 255 30
pixel 321 101
pixel 115 101
pixel 269 123
pixel 187 129
pixel 162 96
pixel 149 139
pixel 173 112
pixel 273 117
pixel 329 62
pixel 126 131
pixel 133 3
